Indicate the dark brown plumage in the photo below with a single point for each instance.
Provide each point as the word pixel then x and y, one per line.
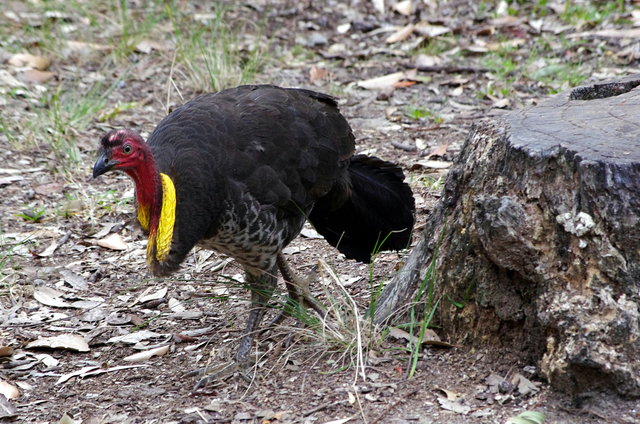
pixel 249 166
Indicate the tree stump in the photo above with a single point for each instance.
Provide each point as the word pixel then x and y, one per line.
pixel 537 233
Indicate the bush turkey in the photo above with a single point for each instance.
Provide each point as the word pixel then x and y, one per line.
pixel 240 171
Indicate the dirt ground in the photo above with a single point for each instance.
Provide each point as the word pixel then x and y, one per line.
pixel 57 280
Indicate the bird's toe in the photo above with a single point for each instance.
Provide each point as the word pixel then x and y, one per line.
pixel 213 374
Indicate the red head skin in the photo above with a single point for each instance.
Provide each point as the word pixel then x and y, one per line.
pixel 126 151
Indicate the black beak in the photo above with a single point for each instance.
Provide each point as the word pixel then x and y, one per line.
pixel 103 164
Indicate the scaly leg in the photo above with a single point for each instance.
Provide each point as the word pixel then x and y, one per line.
pixel 299 293
pixel 262 287
pixel 298 288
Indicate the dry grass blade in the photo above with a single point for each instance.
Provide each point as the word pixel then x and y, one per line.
pixel 348 319
pixel 344 332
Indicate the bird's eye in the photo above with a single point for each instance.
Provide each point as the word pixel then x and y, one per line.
pixel 126 149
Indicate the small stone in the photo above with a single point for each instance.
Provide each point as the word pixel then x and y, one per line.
pixel 243 416
pixel 316 39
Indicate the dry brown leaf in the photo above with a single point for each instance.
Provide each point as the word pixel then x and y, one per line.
pixel 431 31
pixel 404 7
pixel 35 75
pixel 181 338
pixel 47 189
pixel 457 406
pixel 21 60
pixel 176 306
pixel 81 46
pixel 501 103
pixel 635 17
pixel 456 81
pixel 9 390
pixel 343 28
pixel 8 80
pixel 310 233
pixel 478 46
pixel 76 281
pixel 486 31
pixel 433 164
pixel 7 409
pixel 387 81
pixel 147 354
pixel 440 150
pixel 383 82
pixel 10 180
pixel 66 419
pixel 50 249
pixel 458 91
pixel 632 33
pixel 536 25
pixel 429 335
pixel 50 297
pixel 79 372
pixel 425 61
pixel 400 35
pixel 265 415
pixel 95 370
pixel 351 398
pixel 453 402
pixel 20 171
pixel 46 359
pixel 106 229
pixel 113 241
pixel 507 20
pixel 317 74
pixel 510 44
pixel 138 336
pixel 147 46
pixel 146 296
pixel 62 341
pixel 378 5
pixel 450 394
pixel 6 350
pixel 462 106
pixel 220 291
pixel 400 334
pixel 403 84
pixel 144 46
pixel 524 385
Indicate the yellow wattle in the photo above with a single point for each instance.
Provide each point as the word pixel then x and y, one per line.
pixel 167 218
pixel 144 217
pixel 160 240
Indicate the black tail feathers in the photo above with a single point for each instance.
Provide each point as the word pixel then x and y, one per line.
pixel 376 212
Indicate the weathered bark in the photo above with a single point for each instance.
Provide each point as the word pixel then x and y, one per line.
pixel 538 229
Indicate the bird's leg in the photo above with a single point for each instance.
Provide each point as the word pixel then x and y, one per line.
pixel 298 288
pixel 299 293
pixel 262 286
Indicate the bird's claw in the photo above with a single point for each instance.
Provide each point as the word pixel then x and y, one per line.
pixel 217 373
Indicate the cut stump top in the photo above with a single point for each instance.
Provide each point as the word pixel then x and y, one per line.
pixel 598 123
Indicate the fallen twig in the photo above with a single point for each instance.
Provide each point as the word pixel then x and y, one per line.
pixel 405 147
pixel 322 406
pixel 392 406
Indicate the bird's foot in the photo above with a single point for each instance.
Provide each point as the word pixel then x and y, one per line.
pixel 220 373
pixel 311 301
pixel 292 307
pixel 298 288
